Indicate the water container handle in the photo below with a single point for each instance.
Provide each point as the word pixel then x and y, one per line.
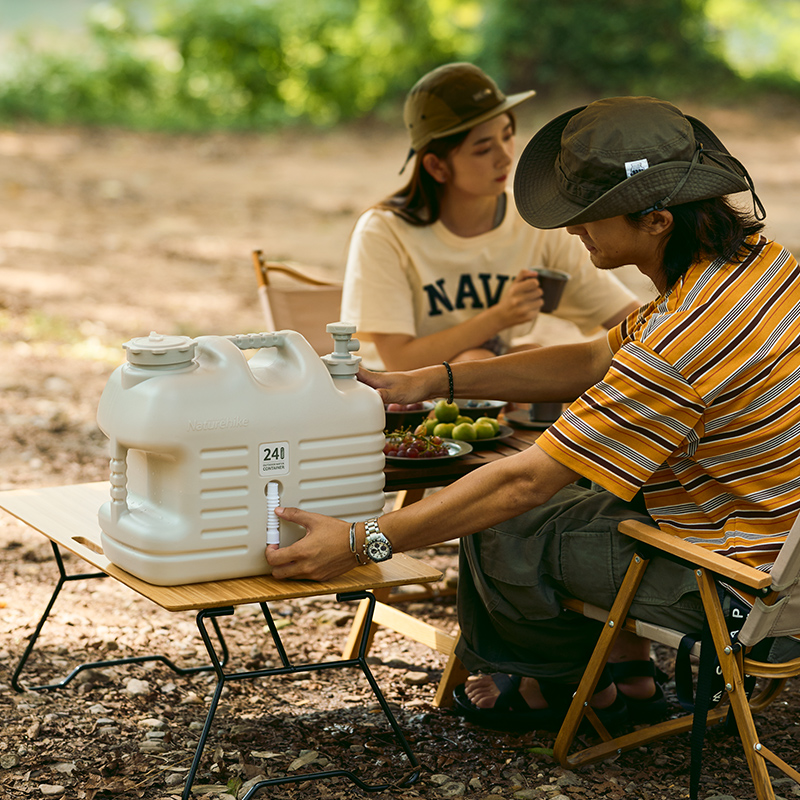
pixel 118 478
pixel 340 363
pixel 255 341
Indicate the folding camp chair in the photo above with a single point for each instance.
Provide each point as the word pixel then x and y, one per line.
pixel 776 613
pixel 298 298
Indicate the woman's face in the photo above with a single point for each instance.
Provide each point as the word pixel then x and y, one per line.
pixel 481 164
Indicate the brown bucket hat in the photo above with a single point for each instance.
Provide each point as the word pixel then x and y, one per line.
pixel 453 98
pixel 619 156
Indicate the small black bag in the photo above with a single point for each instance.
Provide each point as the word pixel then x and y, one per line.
pixel 735 612
pixel 710 681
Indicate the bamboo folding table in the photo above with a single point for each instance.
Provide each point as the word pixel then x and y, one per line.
pixel 67 516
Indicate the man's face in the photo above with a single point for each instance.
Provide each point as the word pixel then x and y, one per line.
pixel 614 242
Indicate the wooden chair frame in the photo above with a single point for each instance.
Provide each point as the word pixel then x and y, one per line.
pixel 304 308
pixel 734 660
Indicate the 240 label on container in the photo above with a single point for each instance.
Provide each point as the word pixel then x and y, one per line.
pixel 273 459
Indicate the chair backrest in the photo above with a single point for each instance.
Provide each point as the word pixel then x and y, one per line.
pixel 780 614
pixel 298 298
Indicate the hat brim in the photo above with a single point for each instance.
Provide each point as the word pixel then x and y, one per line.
pixel 510 102
pixel 542 203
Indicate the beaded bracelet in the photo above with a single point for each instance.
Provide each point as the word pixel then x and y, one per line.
pixel 449 380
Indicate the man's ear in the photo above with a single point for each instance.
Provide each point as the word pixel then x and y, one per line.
pixel 659 221
pixel 436 167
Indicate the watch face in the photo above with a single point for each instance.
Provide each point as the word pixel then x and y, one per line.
pixel 379 550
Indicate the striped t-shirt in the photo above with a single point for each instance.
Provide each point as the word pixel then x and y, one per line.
pixel 701 407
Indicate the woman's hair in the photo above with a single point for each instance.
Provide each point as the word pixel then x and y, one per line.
pixel 418 202
pixel 710 228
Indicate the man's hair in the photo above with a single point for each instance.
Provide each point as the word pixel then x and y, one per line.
pixel 710 228
pixel 418 202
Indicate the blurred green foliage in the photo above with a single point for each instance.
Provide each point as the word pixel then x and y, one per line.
pixel 628 47
pixel 256 64
pixel 762 38
pixel 199 64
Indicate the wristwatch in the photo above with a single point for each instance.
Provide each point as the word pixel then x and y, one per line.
pixel 376 546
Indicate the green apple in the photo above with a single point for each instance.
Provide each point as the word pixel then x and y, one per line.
pixel 465 432
pixel 444 429
pixel 445 412
pixel 461 419
pixel 484 430
pixel 430 424
pixel 492 421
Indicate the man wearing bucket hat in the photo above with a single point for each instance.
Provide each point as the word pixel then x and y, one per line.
pixel 442 269
pixel 686 416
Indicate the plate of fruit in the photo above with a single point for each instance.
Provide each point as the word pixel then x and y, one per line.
pixel 412 448
pixel 448 422
pixel 501 432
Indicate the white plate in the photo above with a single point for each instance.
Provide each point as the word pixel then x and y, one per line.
pixel 455 449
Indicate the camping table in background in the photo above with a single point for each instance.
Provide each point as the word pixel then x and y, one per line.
pixel 67 515
pixel 410 482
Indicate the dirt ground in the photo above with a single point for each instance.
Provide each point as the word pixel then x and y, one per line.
pixel 109 235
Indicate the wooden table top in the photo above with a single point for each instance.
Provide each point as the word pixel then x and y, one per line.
pixel 425 474
pixel 67 515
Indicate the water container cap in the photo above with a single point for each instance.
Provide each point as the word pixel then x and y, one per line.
pixel 157 350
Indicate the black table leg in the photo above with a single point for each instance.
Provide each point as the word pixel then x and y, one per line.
pixel 65 578
pixel 287 667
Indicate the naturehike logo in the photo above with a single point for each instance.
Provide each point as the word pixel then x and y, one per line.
pixel 218 424
pixel 634 167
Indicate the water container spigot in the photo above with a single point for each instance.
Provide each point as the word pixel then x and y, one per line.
pixel 341 362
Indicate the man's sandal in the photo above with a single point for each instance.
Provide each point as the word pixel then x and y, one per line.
pixel 650 709
pixel 613 717
pixel 511 711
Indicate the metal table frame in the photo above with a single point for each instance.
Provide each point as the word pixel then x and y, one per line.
pixel 67 516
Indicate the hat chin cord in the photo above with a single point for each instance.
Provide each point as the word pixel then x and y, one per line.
pixel 411 153
pixel 759 211
pixel 758 207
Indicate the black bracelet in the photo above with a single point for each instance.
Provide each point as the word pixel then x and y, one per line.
pixel 449 380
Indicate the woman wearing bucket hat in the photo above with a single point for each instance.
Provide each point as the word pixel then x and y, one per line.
pixel 442 269
pixel 687 416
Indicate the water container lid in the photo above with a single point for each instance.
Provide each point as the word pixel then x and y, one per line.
pixel 157 350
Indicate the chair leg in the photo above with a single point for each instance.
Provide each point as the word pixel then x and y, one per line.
pixel 454 674
pixel 613 627
pixel 732 664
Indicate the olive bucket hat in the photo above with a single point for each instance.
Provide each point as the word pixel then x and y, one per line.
pixel 622 155
pixel 451 99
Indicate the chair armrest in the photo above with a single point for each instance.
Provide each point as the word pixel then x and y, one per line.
pixel 694 554
pixel 263 268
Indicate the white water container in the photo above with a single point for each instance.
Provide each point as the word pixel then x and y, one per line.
pixel 197 432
